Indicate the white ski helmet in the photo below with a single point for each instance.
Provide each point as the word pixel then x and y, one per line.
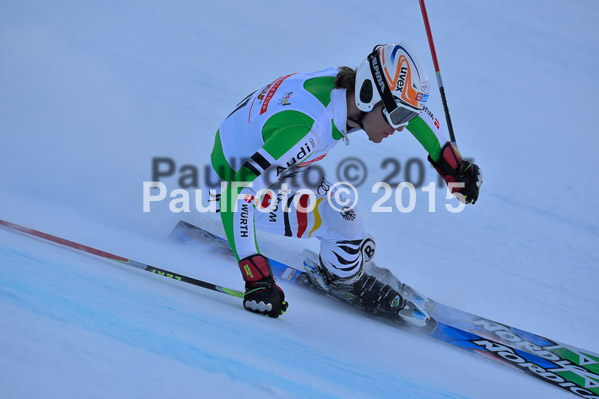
pixel 394 75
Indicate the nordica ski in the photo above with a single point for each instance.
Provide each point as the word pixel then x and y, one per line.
pixel 565 366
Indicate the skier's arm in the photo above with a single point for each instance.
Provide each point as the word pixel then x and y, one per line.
pixel 428 131
pixel 463 177
pixel 286 134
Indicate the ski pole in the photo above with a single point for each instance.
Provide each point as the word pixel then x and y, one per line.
pixel 431 44
pixel 119 259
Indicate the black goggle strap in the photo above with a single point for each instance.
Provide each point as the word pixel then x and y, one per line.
pixel 379 81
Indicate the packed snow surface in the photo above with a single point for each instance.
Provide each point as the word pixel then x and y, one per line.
pixel 93 92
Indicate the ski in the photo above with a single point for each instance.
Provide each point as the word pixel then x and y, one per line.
pixel 564 366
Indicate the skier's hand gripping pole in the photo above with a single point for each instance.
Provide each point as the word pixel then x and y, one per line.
pixel 262 294
pixel 454 170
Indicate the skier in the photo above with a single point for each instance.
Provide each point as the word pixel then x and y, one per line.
pixel 296 120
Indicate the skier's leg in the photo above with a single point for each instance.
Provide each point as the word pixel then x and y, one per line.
pixel 345 247
pixel 345 261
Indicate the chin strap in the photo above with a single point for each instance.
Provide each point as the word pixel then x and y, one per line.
pixel 345 138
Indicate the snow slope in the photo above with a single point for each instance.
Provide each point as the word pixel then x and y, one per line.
pixel 92 92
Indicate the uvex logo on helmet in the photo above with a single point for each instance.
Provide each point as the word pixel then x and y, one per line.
pixel 400 82
pixel 402 78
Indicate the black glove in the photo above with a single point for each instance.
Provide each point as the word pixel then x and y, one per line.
pixel 454 169
pixel 262 294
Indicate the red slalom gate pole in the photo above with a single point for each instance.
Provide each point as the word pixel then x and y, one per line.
pixel 431 44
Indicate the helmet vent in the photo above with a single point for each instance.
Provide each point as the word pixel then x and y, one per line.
pixel 366 92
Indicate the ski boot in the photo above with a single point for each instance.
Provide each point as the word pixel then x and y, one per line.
pixel 365 292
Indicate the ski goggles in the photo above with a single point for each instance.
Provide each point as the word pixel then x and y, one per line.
pixel 401 115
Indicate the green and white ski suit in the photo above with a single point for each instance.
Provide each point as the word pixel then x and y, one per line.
pixel 281 128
